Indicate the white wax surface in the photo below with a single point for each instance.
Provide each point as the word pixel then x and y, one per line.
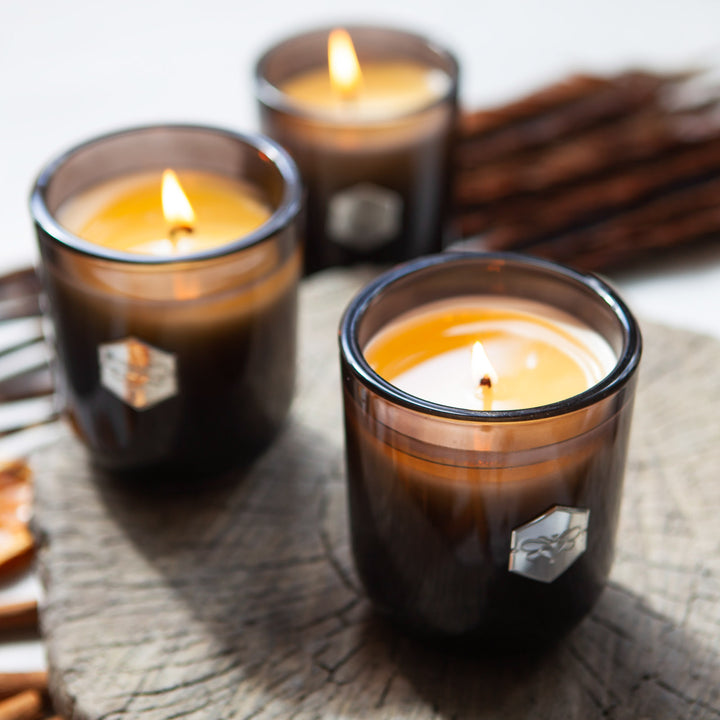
pixel 510 344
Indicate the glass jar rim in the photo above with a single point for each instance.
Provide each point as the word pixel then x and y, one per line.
pixel 273 97
pixel 625 367
pixel 286 211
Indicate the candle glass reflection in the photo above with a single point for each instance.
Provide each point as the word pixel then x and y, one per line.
pixel 498 524
pixel 376 168
pixel 173 365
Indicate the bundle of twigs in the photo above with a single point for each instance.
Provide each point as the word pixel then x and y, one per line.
pixel 592 171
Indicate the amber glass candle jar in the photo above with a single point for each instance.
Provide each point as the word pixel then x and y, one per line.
pixel 375 163
pixel 496 523
pixel 178 361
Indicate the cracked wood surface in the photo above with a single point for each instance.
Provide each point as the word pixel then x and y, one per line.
pixel 242 602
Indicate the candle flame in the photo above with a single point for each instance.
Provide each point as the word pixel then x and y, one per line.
pixel 345 74
pixel 176 207
pixel 483 373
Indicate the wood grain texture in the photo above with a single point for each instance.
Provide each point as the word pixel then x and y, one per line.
pixel 242 602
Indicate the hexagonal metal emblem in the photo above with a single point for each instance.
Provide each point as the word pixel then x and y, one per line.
pixel 139 374
pixel 364 216
pixel 544 548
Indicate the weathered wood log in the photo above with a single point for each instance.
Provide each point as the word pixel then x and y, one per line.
pixel 242 602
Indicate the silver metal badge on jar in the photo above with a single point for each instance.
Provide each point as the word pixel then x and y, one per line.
pixel 544 548
pixel 139 374
pixel 364 217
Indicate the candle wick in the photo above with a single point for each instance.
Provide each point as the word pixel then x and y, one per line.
pixel 177 231
pixel 485 382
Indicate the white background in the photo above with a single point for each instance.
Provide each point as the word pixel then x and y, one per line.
pixel 71 69
pixel 74 69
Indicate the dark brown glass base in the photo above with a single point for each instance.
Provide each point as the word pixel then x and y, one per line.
pixel 235 384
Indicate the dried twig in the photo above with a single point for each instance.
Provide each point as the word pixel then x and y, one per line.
pixel 520 219
pixel 26 705
pixel 562 110
pixel 19 616
pixel 587 170
pixel 14 683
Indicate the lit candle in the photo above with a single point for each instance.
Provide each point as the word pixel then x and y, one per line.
pixel 376 91
pixel 485 353
pixel 484 494
pixel 149 213
pixel 170 262
pixel 368 115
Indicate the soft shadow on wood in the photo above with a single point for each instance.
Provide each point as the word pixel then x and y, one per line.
pixel 624 661
pixel 275 619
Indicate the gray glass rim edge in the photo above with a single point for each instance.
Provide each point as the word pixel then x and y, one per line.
pixel 272 97
pixel 282 216
pixel 626 366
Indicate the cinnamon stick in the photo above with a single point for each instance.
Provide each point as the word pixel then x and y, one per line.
pixel 16 551
pixel 557 94
pixel 26 705
pixel 19 616
pixel 622 245
pixel 14 683
pixel 16 542
pixel 603 102
pixel 681 217
pixel 592 171
pixel 632 139
pixel 517 222
pixel 13 472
